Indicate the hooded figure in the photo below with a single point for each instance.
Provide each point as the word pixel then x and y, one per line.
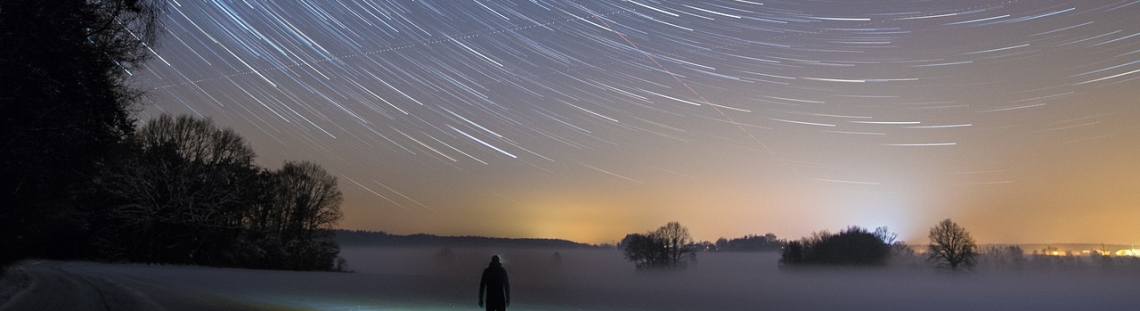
pixel 496 286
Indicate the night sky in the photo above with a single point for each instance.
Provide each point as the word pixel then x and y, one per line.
pixel 587 120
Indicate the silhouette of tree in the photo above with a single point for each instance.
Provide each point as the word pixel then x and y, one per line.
pixel 899 249
pixel 883 233
pixel 645 250
pixel 308 202
pixel 64 112
pixel 190 193
pixel 310 198
pixel 678 243
pixel 382 239
pixel 184 191
pixel 792 253
pixel 290 224
pixel 670 246
pixel 721 244
pixel 1004 256
pixel 853 246
pixel 749 243
pixel 950 244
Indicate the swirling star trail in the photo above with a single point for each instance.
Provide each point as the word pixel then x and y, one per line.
pixel 734 117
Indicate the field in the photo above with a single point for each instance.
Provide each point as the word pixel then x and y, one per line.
pixel 447 279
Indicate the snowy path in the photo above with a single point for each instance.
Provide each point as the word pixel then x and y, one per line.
pixel 83 286
pixel 55 287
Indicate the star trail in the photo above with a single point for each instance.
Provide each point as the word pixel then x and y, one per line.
pixel 586 120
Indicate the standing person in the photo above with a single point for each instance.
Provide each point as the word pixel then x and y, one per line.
pixel 496 285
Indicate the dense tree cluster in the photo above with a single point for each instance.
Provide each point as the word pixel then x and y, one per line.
pixel 77 180
pixel 950 245
pixel 670 246
pixel 853 246
pixel 64 111
pixel 190 193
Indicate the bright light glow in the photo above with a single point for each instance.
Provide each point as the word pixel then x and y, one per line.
pixel 1128 252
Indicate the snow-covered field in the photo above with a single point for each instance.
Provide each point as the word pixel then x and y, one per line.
pixel 447 279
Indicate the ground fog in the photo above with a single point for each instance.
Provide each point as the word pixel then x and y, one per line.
pixel 546 279
pixel 603 280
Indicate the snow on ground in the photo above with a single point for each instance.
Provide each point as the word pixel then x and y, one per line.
pixel 447 279
pixel 12 281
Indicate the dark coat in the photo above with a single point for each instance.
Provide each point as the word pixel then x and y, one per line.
pixel 496 285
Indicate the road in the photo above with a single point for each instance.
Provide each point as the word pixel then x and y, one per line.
pixel 79 286
pixel 82 286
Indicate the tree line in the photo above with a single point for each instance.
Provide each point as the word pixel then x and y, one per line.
pixel 671 246
pixel 80 179
pixel 384 239
pixel 748 243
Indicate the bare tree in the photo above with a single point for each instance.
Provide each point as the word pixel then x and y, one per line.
pixel 899 249
pixel 885 234
pixel 678 243
pixel 184 191
pixel 952 245
pixel 189 193
pixel 308 198
pixel 206 168
pixel 307 204
pixel 196 140
pixel 670 246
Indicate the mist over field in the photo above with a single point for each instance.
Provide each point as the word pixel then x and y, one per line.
pixel 440 278
pixel 603 280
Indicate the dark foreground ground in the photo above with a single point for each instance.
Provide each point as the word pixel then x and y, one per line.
pixel 447 279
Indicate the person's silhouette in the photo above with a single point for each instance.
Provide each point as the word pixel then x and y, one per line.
pixel 496 285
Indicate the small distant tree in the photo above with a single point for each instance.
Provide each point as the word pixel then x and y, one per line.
pixel 899 249
pixel 644 250
pixel 792 253
pixel 670 246
pixel 722 244
pixel 885 234
pixel 950 244
pixel 678 243
pixel 1002 256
